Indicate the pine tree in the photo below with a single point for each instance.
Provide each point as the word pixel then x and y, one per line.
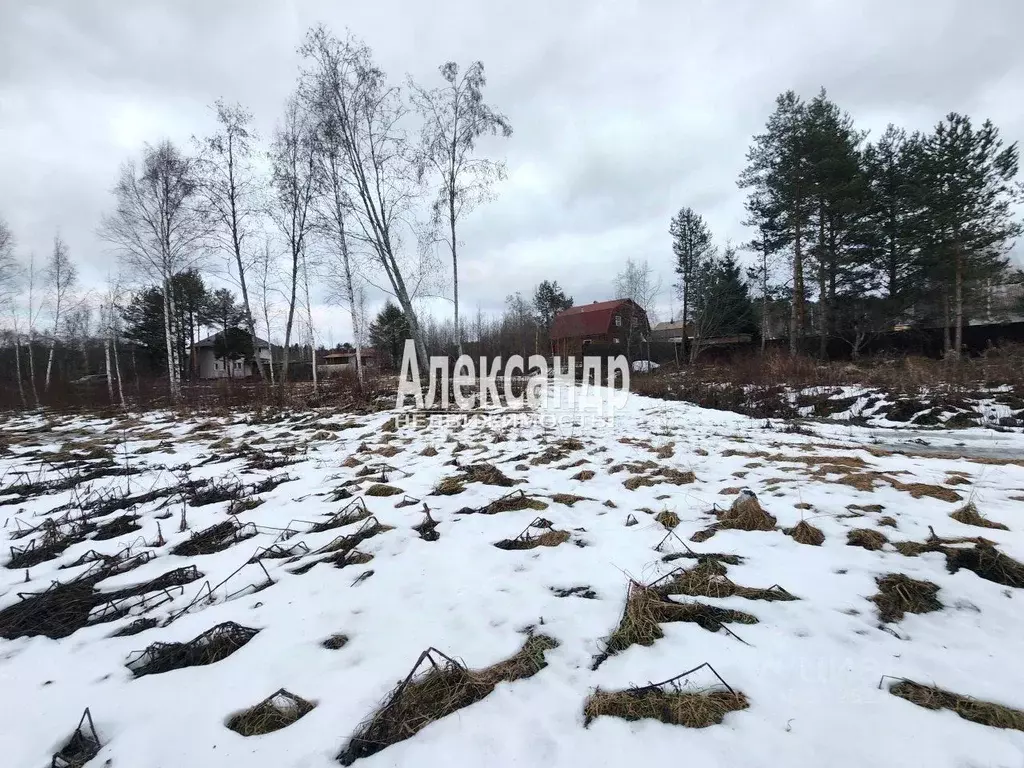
pixel 549 299
pixel 968 180
pixel 691 244
pixel 389 331
pixel 778 176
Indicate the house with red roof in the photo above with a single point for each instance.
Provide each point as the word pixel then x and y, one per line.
pixel 602 322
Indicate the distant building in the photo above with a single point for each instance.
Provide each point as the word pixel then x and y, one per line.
pixel 209 366
pixel 338 361
pixel 602 322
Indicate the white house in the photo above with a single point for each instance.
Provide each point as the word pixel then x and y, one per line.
pixel 209 366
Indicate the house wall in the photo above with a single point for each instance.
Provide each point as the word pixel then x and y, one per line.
pixel 212 367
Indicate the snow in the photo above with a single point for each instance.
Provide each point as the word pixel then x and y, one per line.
pixel 810 668
pixel 644 366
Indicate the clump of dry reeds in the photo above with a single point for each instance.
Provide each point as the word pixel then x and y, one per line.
pixel 446 687
pixel 746 514
pixel 668 518
pixel 868 538
pixel 805 533
pixel 969 515
pixel 899 594
pixel 211 646
pixel 277 711
pixel 975 710
pixel 693 709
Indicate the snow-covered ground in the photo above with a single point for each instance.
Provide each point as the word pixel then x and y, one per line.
pixel 810 668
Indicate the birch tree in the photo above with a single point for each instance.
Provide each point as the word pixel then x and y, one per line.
pixel 9 283
pixel 158 227
pixel 264 286
pixel 61 276
pixel 454 118
pixel 333 211
pixel 343 83
pixel 295 182
pixel 231 189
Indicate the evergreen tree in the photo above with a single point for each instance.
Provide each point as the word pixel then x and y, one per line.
pixel 780 201
pixel 388 333
pixel 691 244
pixel 967 176
pixel 549 299
pixel 721 301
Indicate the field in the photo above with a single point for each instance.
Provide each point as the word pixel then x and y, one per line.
pixel 312 587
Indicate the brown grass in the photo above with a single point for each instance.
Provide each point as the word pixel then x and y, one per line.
pixel 805 533
pixel 449 486
pixel 584 474
pixel 867 538
pixel 445 688
pixel 920 490
pixel 668 518
pixel 969 515
pixel 646 609
pixel 380 489
pixel 546 539
pixel 708 579
pixel 335 642
pixel 889 522
pixel 429 451
pixel 488 474
pixel 277 711
pixel 899 594
pixel 975 710
pixel 746 514
pixel 698 709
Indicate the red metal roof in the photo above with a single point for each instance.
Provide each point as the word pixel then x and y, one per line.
pixel 586 319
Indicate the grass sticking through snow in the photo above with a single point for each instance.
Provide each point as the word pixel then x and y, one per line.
pixel 693 709
pixel 446 687
pixel 899 594
pixel 969 515
pixel 975 710
pixel 277 711
pixel 868 538
pixel 805 533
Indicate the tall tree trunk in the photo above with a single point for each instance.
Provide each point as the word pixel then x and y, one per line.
pixel 291 315
pixel 117 369
pixel 171 341
pixel 822 285
pixel 796 322
pixel 110 375
pixel 17 369
pixel 49 363
pixel 32 366
pixel 947 344
pixel 686 307
pixel 309 320
pixel 958 299
pixel 455 265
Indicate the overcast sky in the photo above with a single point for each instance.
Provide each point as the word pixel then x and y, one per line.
pixel 623 110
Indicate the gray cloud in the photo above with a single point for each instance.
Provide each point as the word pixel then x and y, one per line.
pixel 623 111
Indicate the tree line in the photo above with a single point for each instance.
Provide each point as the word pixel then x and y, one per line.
pixel 903 230
pixel 364 180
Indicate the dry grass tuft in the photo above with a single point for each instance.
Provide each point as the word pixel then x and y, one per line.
pixel 445 688
pixel 805 533
pixel 380 489
pixel 211 646
pixel 988 563
pixel 889 522
pixel 975 710
pixel 584 474
pixel 566 498
pixel 526 541
pixel 919 490
pixel 511 502
pixel 449 486
pixel 335 642
pixel 646 608
pixel 698 709
pixel 429 451
pixel 746 514
pixel 277 711
pixel 708 579
pixel 867 538
pixel 488 474
pixel 668 518
pixel 969 515
pixel 899 594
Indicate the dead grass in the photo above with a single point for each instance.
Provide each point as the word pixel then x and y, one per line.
pixel 335 642
pixel 805 533
pixel 866 537
pixel 380 489
pixel 889 522
pixel 899 594
pixel 975 710
pixel 566 498
pixel 584 474
pixel 668 518
pixel 920 490
pixel 969 515
pixel 510 502
pixel 429 451
pixel 277 711
pixel 449 486
pixel 547 539
pixel 746 514
pixel 215 644
pixel 446 687
pixel 646 608
pixel 488 474
pixel 708 579
pixel 693 709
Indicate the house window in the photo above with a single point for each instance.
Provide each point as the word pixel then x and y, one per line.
pixel 618 321
pixel 616 340
pixel 216 366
